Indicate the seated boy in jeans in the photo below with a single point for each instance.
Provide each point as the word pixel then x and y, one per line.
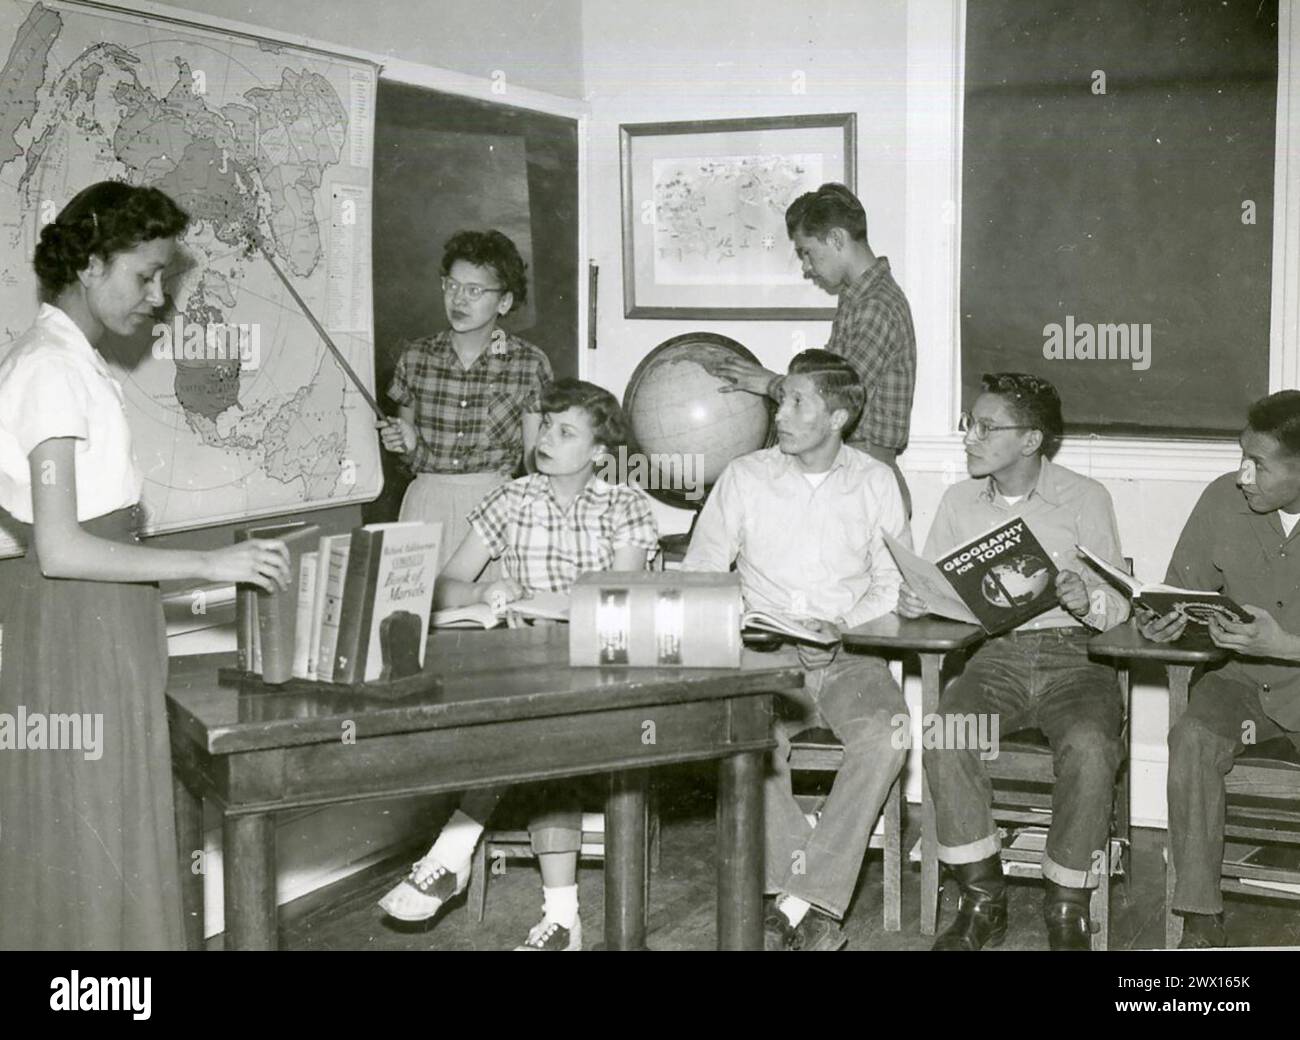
pixel 803 523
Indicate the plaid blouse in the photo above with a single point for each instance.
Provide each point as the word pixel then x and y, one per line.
pixel 468 420
pixel 873 332
pixel 545 549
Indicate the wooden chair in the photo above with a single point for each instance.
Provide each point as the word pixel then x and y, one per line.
pixel 500 845
pixel 817 751
pixel 1264 810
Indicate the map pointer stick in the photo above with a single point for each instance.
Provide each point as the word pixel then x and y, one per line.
pixel 338 354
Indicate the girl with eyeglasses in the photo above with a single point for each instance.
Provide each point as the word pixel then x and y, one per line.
pixel 467 396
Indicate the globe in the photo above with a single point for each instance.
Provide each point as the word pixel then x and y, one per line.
pixel 685 431
pixel 1022 578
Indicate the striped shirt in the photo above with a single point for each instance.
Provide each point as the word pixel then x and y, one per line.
pixel 873 332
pixel 545 548
pixel 469 420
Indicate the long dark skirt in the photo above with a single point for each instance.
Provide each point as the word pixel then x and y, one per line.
pixel 88 857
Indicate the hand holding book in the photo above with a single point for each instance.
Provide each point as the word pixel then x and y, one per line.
pixel 1158 601
pixel 1260 637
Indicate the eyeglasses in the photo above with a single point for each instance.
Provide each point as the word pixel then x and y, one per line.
pixel 473 293
pixel 967 423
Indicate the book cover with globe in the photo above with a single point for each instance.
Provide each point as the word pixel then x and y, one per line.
pixel 1004 576
pixel 998 580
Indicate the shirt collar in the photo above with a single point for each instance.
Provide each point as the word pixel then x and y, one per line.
pixel 786 464
pixel 875 271
pixel 69 332
pixel 500 345
pixel 539 486
pixel 1045 487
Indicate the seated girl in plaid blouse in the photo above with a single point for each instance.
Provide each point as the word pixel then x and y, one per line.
pixel 546 529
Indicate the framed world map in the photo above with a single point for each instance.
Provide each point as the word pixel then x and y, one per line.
pixel 269 149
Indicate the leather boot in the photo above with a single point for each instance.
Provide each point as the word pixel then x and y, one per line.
pixel 982 910
pixel 1065 912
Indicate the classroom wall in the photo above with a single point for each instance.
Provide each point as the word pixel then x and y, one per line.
pixel 683 60
pixel 535 43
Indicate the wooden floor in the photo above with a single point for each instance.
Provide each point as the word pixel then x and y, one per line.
pixel 682 900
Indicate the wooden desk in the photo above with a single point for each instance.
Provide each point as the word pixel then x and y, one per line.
pixel 931 639
pixel 1194 650
pixel 501 707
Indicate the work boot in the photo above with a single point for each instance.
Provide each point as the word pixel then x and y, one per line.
pixel 981 911
pixel 1065 912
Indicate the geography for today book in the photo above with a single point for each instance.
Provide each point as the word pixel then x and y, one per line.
pixel 997 580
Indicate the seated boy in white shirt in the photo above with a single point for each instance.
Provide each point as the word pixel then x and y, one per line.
pixel 803 523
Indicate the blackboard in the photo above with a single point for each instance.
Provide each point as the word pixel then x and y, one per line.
pixel 444 163
pixel 1086 212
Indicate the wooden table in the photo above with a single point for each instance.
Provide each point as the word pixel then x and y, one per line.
pixel 500 707
pixel 931 639
pixel 1181 658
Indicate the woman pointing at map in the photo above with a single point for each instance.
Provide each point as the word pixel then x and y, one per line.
pixel 87 838
pixel 469 395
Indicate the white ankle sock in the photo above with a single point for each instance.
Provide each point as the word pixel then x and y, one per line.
pixel 793 908
pixel 560 905
pixel 455 845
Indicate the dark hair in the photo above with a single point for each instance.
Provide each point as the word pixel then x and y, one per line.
pixel 105 219
pixel 489 249
pixel 836 380
pixel 830 206
pixel 608 421
pixel 1032 401
pixel 1278 415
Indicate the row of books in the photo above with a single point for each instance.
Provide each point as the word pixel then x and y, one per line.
pixel 357 609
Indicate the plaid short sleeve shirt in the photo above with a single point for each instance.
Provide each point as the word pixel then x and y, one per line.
pixel 546 549
pixel 873 332
pixel 468 420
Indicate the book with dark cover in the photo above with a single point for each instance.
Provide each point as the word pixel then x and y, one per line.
pixel 391 570
pixel 1193 604
pixel 999 579
pixel 277 612
pixel 1004 576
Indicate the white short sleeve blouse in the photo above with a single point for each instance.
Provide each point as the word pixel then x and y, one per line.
pixel 53 383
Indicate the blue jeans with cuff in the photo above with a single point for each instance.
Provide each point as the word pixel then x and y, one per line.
pixel 1034 680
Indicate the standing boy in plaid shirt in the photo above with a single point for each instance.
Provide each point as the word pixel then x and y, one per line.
pixel 546 529
pixel 873 323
